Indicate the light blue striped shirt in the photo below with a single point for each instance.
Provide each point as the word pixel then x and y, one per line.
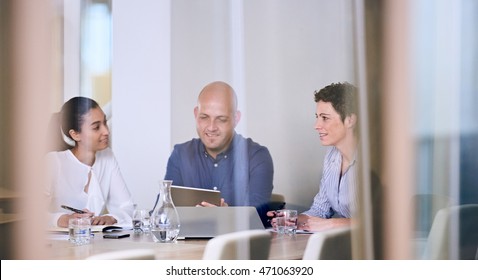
pixel 337 194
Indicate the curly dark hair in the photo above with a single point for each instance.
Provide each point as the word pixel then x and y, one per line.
pixel 342 96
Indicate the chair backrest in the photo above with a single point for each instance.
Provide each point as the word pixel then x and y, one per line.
pixel 240 245
pixel 334 244
pixel 454 234
pixel 276 202
pixel 427 205
pixel 133 254
pixel 55 140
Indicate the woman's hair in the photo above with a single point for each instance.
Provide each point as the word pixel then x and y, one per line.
pixel 73 112
pixel 342 96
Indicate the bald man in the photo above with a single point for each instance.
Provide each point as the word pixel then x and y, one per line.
pixel 220 158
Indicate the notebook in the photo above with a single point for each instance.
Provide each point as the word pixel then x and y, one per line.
pixel 208 222
pixel 187 196
pixel 66 230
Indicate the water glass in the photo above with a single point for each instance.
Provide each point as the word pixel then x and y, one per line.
pixel 141 221
pixel 145 221
pixel 79 230
pixel 280 224
pixel 137 224
pixel 290 220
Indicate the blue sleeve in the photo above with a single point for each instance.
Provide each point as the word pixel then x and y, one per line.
pixel 173 172
pixel 261 173
pixel 173 169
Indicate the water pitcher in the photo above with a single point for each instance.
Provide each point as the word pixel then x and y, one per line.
pixel 165 219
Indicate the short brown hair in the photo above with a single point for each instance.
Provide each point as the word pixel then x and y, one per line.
pixel 342 96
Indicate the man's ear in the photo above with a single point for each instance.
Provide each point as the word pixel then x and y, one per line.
pixel 74 135
pixel 237 117
pixel 351 121
pixel 196 112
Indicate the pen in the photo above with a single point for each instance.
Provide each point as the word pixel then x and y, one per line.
pixel 73 209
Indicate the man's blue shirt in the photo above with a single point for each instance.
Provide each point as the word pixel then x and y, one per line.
pixel 243 173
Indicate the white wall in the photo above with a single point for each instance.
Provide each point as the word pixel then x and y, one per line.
pixel 275 53
pixel 71 49
pixel 141 104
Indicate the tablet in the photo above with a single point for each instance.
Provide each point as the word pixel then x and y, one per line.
pixel 187 196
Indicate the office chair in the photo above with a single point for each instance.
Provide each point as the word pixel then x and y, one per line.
pixel 241 245
pixel 276 202
pixel 427 205
pixel 133 254
pixel 334 244
pixel 454 234
pixel 55 140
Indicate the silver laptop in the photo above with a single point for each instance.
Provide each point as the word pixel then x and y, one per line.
pixel 208 222
pixel 187 196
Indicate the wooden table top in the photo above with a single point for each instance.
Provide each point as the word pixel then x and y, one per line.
pixel 59 248
pixel 7 194
pixel 8 218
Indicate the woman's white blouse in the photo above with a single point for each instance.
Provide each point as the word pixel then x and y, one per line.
pixel 107 191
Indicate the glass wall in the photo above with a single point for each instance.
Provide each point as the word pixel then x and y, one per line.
pixel 444 86
pixel 422 70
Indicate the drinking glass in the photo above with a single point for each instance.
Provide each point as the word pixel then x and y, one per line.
pixel 79 230
pixel 145 221
pixel 280 224
pixel 290 220
pixel 137 220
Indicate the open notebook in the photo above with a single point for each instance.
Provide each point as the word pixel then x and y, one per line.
pixel 61 229
pixel 208 222
pixel 187 196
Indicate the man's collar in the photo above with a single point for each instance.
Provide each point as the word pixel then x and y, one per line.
pixel 228 151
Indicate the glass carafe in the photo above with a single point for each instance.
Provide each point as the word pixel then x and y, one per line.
pixel 165 219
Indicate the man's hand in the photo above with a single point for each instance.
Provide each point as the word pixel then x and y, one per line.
pixel 207 204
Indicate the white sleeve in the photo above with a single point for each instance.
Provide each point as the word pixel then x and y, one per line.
pixel 52 166
pixel 119 201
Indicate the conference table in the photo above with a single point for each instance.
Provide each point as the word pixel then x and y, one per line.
pixel 59 248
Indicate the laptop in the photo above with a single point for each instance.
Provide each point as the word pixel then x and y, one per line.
pixel 187 196
pixel 208 222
